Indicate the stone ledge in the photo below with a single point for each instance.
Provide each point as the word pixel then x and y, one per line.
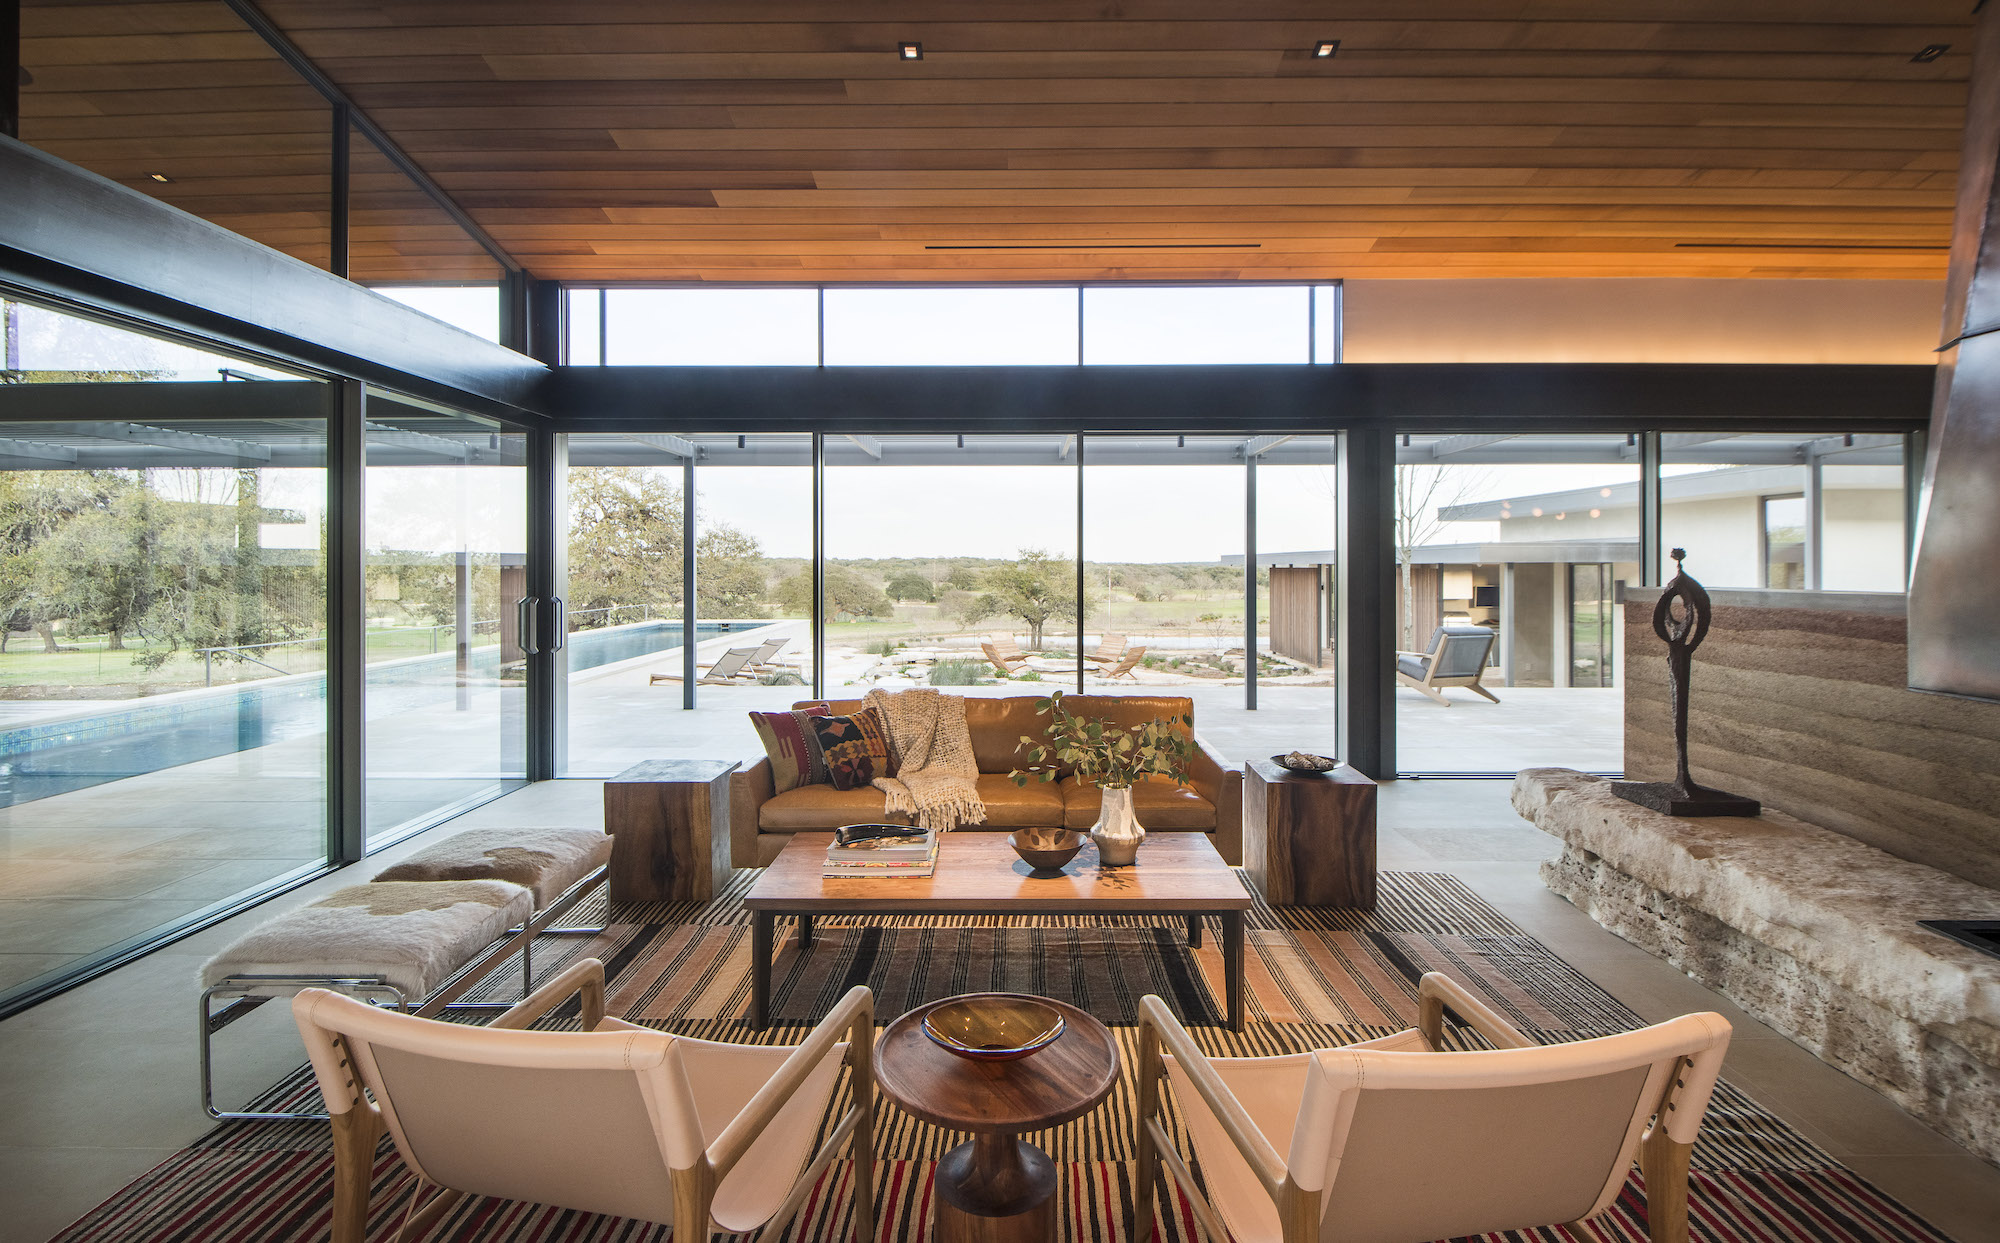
pixel 1842 908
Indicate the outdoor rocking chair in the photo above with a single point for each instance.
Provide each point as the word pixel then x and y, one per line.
pixel 1457 658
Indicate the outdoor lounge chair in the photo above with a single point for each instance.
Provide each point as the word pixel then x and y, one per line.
pixel 614 1119
pixel 765 658
pixel 1457 658
pixel 1394 1139
pixel 1126 664
pixel 1005 654
pixel 731 670
pixel 1108 650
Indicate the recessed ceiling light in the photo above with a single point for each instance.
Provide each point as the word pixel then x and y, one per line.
pixel 161 178
pixel 1325 48
pixel 1930 53
pixel 909 49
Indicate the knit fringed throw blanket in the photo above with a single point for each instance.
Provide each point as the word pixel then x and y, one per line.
pixel 936 779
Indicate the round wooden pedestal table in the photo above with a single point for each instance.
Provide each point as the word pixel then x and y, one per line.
pixel 996 1187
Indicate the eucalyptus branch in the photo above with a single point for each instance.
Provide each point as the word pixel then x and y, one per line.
pixel 1103 754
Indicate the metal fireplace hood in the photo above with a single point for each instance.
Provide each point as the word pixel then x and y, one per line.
pixel 1955 577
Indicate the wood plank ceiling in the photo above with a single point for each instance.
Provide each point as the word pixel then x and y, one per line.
pixel 1046 140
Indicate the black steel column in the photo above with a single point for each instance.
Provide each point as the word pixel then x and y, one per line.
pixel 1650 553
pixel 1365 595
pixel 546 320
pixel 819 559
pixel 1250 584
pixel 10 68
pixel 688 611
pixel 337 229
pixel 548 583
pixel 346 623
pixel 1079 563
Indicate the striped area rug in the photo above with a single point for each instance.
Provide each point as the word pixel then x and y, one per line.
pixel 1315 977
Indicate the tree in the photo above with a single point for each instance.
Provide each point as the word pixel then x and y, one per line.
pixel 849 597
pixel 1038 588
pixel 969 608
pixel 910 585
pixel 1423 493
pixel 625 549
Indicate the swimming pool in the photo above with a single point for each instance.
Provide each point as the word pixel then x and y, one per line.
pixel 47 758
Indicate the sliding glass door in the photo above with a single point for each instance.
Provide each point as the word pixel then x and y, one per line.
pixel 163 709
pixel 446 546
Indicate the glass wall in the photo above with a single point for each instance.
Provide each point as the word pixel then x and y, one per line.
pixel 937 544
pixel 445 534
pixel 163 707
pixel 1785 511
pixel 753 593
pixel 1298 521
pixel 1527 537
pixel 475 308
pixel 953 326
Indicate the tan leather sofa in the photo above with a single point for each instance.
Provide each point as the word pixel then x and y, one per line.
pixel 760 819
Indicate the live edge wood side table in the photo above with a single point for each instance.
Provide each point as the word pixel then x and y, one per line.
pixel 996 1188
pixel 1309 838
pixel 669 826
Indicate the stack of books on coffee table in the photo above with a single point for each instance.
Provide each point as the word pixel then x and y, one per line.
pixel 883 857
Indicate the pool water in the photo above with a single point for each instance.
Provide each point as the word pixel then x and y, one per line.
pixel 43 759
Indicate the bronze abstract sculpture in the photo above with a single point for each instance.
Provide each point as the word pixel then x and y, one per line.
pixel 1683 633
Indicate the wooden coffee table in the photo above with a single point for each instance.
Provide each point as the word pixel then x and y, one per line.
pixel 996 1187
pixel 978 873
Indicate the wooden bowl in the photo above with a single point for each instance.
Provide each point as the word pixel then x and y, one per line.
pixel 993 1027
pixel 1301 762
pixel 1046 850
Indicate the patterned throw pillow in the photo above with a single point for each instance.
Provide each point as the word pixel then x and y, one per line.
pixel 854 749
pixel 796 757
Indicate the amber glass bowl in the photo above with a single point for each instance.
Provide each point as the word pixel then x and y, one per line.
pixel 1046 850
pixel 993 1027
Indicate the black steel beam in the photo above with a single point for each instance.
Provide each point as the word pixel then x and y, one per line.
pixel 10 68
pixel 341 149
pixel 160 403
pixel 1406 397
pixel 72 237
pixel 329 90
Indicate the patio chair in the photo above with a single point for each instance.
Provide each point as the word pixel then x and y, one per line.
pixel 613 1119
pixel 731 670
pixel 1392 1139
pixel 764 660
pixel 1005 654
pixel 1126 664
pixel 1108 650
pixel 1457 658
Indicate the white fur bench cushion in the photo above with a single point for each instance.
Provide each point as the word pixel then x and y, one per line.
pixel 546 860
pixel 413 935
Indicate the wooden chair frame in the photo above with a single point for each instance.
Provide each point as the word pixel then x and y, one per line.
pixel 358 1125
pixel 1663 1160
pixel 738 674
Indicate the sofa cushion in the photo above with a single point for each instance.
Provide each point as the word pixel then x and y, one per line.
pixel 1156 801
pixel 821 807
pixel 1039 804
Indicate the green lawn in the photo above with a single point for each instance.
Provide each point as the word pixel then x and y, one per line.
pixel 92 665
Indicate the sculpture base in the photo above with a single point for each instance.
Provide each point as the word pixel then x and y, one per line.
pixel 1694 800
